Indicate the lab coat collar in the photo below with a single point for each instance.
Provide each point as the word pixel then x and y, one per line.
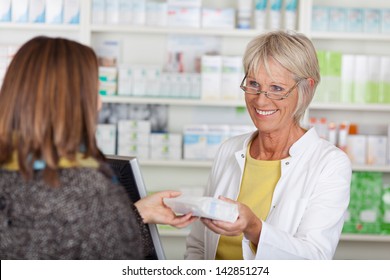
pixel 298 148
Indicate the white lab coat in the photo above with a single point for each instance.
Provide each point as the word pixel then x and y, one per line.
pixel 308 204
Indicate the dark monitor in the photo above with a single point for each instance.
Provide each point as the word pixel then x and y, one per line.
pixel 128 172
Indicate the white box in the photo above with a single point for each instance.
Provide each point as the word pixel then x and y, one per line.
pixel 166 139
pixel 372 20
pixel 211 77
pixel 139 12
pixel 183 16
pixel 185 3
pixel 218 18
pixel 125 11
pixel 385 21
pixel 5 10
pixel 156 14
pixel 132 138
pixel 165 152
pixel 232 74
pixel 125 80
pixel 106 138
pixel 360 78
pixel 195 142
pixel 98 11
pixel 112 11
pixel 139 81
pixel 108 88
pixel 141 152
pixel 376 150
pixel 71 11
pixel 337 19
pixel 216 135
pixel 54 11
pixel 357 148
pixel 355 21
pixel 36 11
pixel 129 126
pixel 152 76
pixel 320 18
pixel 347 77
pixel 20 11
pixel 108 74
pixel 290 15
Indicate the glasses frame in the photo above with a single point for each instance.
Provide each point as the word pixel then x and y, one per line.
pixel 266 93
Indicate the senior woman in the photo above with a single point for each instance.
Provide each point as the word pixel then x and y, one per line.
pixel 291 186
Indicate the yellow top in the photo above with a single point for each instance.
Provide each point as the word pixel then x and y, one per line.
pixel 257 187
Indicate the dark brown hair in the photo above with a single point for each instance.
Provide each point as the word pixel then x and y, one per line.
pixel 48 105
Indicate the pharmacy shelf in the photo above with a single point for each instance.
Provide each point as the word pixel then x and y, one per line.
pixel 106 28
pixel 350 107
pixel 177 163
pixel 172 101
pixel 39 26
pixel 372 168
pixel 208 164
pixel 350 36
pixel 365 237
pixel 238 103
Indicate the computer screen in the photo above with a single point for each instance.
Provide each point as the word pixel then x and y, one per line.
pixel 129 175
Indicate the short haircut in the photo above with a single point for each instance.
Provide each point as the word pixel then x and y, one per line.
pixel 293 51
pixel 48 105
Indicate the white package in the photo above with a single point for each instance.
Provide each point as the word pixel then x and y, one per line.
pixel 207 207
pixel 36 11
pixel 54 11
pixel 5 10
pixel 72 11
pixel 98 11
pixel 19 10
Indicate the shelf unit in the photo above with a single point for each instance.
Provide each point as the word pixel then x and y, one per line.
pixel 194 173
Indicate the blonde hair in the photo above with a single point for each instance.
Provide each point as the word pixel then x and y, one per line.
pixel 48 105
pixel 293 51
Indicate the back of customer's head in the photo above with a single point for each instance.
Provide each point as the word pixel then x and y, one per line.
pixel 48 105
pixel 294 52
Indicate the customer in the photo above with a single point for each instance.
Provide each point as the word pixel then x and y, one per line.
pixel 291 186
pixel 57 196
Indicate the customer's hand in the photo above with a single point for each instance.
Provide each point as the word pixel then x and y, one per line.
pixel 247 223
pixel 153 210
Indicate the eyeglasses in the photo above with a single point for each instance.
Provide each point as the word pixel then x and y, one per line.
pixel 275 92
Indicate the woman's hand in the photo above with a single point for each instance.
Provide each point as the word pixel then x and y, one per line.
pixel 153 210
pixel 246 223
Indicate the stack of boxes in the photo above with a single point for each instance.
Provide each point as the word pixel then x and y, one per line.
pixel 133 138
pixel 166 146
pixel 355 19
pixel 201 141
pixel 221 77
pixel 40 11
pixel 351 78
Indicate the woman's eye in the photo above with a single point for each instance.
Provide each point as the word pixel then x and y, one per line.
pixel 275 88
pixel 254 84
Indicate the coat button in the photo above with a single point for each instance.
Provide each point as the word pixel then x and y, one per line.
pixel 287 163
pixel 242 155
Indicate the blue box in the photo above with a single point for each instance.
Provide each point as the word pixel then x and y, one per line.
pixel 355 20
pixel 319 18
pixel 372 20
